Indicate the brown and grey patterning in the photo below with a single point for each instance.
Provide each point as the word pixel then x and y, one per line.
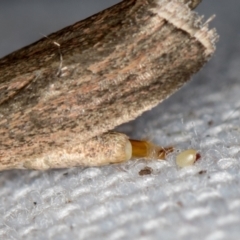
pixel 60 96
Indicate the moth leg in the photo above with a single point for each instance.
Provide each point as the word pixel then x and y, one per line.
pixel 108 148
pixel 147 149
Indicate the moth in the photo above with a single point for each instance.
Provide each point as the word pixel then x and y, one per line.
pixel 61 96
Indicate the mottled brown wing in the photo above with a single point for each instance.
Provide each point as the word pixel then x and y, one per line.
pixel 98 73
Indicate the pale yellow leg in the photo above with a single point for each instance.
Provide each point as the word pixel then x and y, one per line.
pixel 105 149
pixel 146 149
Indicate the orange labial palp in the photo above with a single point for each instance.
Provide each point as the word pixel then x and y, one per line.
pixel 146 149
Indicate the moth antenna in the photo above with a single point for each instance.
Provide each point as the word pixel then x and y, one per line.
pixel 60 55
pixel 61 58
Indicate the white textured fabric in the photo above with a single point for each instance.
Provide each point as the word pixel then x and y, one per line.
pixel 115 202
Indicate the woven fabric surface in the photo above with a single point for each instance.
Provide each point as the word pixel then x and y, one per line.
pixel 117 201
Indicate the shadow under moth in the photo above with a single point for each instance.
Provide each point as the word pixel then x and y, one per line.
pixel 61 96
